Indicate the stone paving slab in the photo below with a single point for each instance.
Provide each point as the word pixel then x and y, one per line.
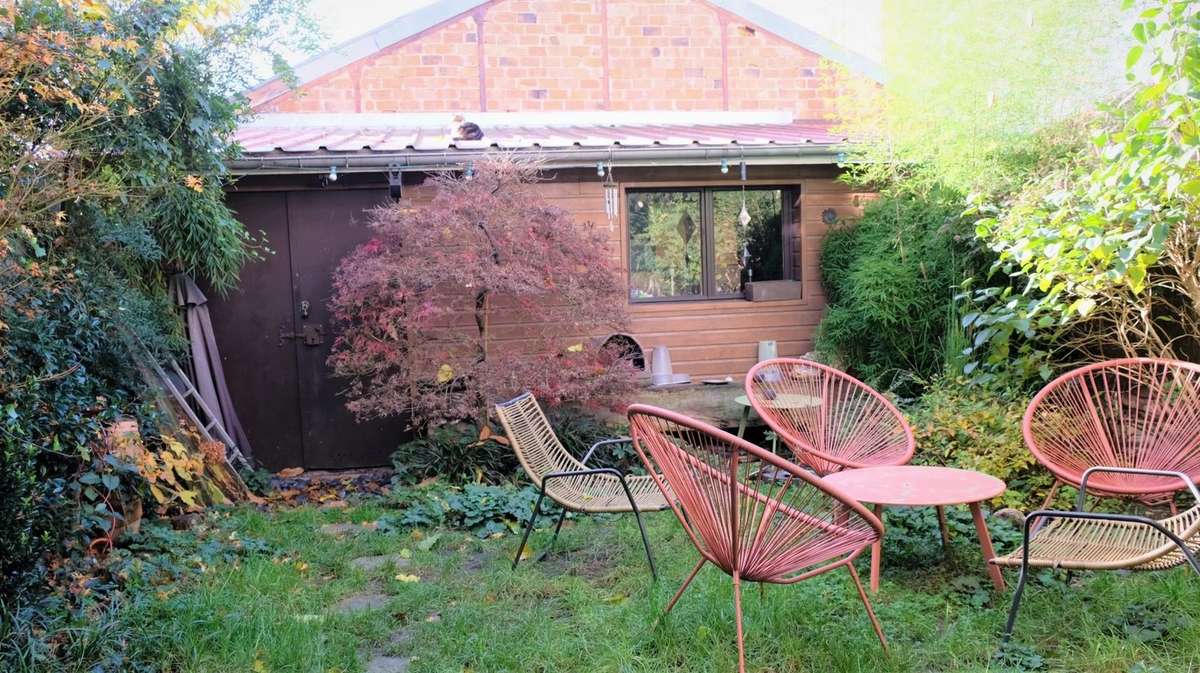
pixel 387 665
pixel 362 603
pixel 372 563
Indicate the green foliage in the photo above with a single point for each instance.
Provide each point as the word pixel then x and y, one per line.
pixel 890 279
pixel 455 453
pixel 1104 245
pixel 115 125
pixel 1147 623
pixel 96 629
pixel 483 509
pixel 978 427
pixel 578 430
pixel 968 83
pixel 913 538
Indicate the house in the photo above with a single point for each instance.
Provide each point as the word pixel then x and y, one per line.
pixel 660 120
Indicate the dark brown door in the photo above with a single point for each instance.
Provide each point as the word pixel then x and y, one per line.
pixel 275 333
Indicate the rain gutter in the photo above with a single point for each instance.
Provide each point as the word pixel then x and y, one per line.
pixel 282 163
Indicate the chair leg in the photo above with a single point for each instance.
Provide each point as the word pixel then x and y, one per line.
pixel 1016 605
pixel 637 514
pixel 557 527
pixel 1050 496
pixel 944 528
pixel 529 528
pixel 686 583
pixel 862 594
pixel 737 609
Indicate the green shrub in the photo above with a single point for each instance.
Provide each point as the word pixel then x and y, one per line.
pixel 890 279
pixel 978 427
pixel 483 509
pixel 578 430
pixel 454 453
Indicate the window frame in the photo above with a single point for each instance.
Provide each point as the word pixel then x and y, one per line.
pixel 788 194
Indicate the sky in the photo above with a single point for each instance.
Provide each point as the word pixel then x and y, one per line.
pixel 854 24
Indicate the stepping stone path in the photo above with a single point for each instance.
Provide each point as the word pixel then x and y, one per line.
pixel 362 602
pixel 335 529
pixel 380 664
pixel 373 563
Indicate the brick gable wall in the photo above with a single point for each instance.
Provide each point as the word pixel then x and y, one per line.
pixel 549 55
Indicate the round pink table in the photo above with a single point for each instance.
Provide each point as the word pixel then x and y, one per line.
pixel 923 486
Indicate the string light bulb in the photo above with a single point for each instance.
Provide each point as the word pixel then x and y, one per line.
pixel 724 166
pixel 469 173
pixel 600 168
pixel 333 176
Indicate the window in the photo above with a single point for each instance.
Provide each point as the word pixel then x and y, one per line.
pixel 690 244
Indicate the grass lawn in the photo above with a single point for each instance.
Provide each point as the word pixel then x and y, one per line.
pixel 455 606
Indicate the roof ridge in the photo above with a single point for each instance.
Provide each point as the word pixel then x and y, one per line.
pixel 431 16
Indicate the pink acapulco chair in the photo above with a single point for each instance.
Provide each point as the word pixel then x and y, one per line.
pixel 1134 413
pixel 829 419
pixel 749 512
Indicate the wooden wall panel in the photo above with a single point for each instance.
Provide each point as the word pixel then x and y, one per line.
pixel 710 338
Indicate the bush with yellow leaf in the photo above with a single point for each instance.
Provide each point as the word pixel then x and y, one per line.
pixel 978 427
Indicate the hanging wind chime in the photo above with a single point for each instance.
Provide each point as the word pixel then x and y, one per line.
pixel 612 196
pixel 744 220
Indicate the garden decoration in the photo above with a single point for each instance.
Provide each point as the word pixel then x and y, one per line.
pixel 923 486
pixel 754 515
pixel 828 418
pixel 1134 412
pixel 1082 540
pixel 568 481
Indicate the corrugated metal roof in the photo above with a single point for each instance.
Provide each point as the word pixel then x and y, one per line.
pixel 270 134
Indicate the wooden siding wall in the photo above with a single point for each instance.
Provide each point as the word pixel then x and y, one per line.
pixel 708 338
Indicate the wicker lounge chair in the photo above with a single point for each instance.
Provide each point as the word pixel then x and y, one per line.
pixel 1082 540
pixel 829 419
pixel 749 512
pixel 1136 412
pixel 569 481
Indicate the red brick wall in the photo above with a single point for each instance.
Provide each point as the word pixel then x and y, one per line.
pixel 576 55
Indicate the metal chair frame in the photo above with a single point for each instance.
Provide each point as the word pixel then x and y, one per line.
pixel 552 452
pixel 1029 528
pixel 746 521
pixel 848 424
pixel 1165 435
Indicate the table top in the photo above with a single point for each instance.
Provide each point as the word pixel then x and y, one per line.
pixel 916 485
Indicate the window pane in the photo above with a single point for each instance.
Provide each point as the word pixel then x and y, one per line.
pixel 750 252
pixel 664 244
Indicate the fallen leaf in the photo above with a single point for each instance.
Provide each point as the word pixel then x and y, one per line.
pixel 405 553
pixel 427 543
pixel 616 599
pixel 289 472
pixel 258 666
pixel 434 617
pixel 409 579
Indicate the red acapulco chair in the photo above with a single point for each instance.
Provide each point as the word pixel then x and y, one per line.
pixel 1140 413
pixel 749 512
pixel 829 419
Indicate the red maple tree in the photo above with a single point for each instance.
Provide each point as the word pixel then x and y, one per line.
pixel 483 293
